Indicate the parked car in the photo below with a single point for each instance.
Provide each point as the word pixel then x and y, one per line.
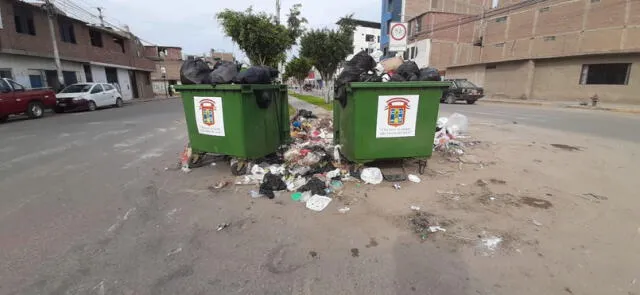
pixel 462 89
pixel 88 97
pixel 15 99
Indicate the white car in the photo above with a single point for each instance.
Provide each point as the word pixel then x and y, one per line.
pixel 88 96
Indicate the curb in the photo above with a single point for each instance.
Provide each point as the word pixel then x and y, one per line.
pixel 615 110
pixel 530 103
pixel 151 99
pixel 541 104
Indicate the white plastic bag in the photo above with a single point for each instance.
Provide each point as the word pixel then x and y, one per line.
pixel 457 124
pixel 371 175
pixel 318 203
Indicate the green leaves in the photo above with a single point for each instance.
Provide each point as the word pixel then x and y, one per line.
pixel 298 68
pixel 263 40
pixel 327 49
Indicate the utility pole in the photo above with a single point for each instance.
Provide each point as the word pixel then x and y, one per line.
pixel 277 11
pixel 56 54
pixel 100 15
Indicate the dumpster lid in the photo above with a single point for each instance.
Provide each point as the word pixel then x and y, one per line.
pixel 228 87
pixel 416 84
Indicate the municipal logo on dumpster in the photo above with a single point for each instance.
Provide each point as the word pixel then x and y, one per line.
pixel 208 115
pixel 397 116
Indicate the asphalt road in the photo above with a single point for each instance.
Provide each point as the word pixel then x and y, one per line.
pixel 87 205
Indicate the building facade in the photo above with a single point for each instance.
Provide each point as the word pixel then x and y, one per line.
pixel 564 50
pixel 168 60
pixel 366 36
pixel 392 11
pixel 88 53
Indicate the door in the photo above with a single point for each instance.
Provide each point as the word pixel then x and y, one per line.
pixel 7 100
pixel 110 94
pixel 97 95
pixel 134 84
pixel 19 101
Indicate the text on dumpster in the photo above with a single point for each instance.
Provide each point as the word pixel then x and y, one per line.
pixel 208 113
pixel 397 116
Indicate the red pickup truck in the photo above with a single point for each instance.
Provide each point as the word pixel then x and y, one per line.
pixel 15 100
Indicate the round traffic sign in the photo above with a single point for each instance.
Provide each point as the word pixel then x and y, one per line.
pixel 398 32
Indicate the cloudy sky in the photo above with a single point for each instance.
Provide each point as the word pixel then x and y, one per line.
pixel 191 24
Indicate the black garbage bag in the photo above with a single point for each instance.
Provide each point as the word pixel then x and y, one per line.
pixel 223 73
pixel 429 74
pixel 370 77
pixel 271 183
pixel 256 75
pixel 397 78
pixel 315 186
pixel 195 71
pixel 409 71
pixel 360 64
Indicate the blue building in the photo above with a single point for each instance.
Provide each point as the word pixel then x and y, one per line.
pixel 391 12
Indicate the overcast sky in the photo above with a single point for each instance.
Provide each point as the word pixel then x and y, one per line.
pixel 191 24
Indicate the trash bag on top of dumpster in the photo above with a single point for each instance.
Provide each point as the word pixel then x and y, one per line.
pixel 409 71
pixel 256 75
pixel 223 73
pixel 195 71
pixel 429 74
pixel 354 69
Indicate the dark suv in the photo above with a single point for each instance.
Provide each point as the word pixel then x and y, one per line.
pixel 461 89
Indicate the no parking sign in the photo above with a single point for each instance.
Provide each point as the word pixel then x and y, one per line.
pixel 398 36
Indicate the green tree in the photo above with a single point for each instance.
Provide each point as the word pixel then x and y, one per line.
pixel 327 49
pixel 298 69
pixel 260 36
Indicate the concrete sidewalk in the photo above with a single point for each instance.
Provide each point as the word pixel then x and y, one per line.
pixel 301 104
pixel 611 107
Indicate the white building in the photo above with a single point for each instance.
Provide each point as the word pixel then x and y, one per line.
pixel 366 36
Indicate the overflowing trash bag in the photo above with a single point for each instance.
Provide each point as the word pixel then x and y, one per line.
pixel 408 71
pixel 195 71
pixel 355 70
pixel 429 74
pixel 256 75
pixel 223 73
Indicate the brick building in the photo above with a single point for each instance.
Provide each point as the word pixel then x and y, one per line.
pixel 88 53
pixel 168 58
pixel 550 50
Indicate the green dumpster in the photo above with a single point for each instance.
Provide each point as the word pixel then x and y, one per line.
pixel 242 121
pixel 391 120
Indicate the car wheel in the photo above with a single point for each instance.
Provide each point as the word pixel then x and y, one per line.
pixel 35 110
pixel 119 102
pixel 450 99
pixel 4 119
pixel 92 106
pixel 471 101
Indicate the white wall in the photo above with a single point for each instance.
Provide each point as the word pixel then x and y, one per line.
pixel 360 42
pixel 422 52
pixel 22 66
pixel 98 73
pixel 125 84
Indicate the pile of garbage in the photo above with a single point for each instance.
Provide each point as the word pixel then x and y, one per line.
pixel 449 134
pixel 199 71
pixel 363 68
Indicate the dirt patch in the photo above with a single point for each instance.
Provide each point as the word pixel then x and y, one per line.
pixel 566 147
pixel 372 243
pixel 355 252
pixel 536 203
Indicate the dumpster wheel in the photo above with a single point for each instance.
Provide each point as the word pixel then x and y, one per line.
pixel 238 167
pixel 422 165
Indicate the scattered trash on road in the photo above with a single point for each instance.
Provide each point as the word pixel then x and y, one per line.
pixel 536 223
pixel 566 147
pixel 415 208
pixel 397 186
pixel 371 175
pixel 487 246
pixel 222 226
pixel 436 228
pixel 414 178
pixel 344 210
pixel 318 203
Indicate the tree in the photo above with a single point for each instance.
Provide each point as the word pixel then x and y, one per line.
pixel 327 49
pixel 298 68
pixel 259 35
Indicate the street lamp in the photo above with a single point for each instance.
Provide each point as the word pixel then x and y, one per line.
pixel 163 71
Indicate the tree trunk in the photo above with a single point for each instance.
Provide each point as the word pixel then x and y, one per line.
pixel 328 97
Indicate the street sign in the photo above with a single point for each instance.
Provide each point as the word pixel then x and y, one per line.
pixel 398 36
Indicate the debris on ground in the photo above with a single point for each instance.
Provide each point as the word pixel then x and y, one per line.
pixel 270 184
pixel 220 185
pixel 222 226
pixel 318 203
pixel 315 186
pixel 436 228
pixel 397 186
pixel 566 147
pixel 415 208
pixel 536 223
pixel 371 175
pixel 414 178
pixel 597 197
pixel 487 246
pixel 536 203
pixel 344 210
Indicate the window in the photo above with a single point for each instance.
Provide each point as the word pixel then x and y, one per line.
pixel 501 19
pixel 549 38
pixel 107 87
pixel 495 3
pixel 16 86
pixel 434 4
pixel 418 25
pixel 378 39
pixel 4 87
pixel 96 38
pixel 96 89
pixel 69 77
pixel 1 19
pixel 67 33
pixel 390 6
pixel 119 42
pixel 491 67
pixel 605 74
pixel 6 73
pixel 595 1
pixel 370 38
pixel 23 18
